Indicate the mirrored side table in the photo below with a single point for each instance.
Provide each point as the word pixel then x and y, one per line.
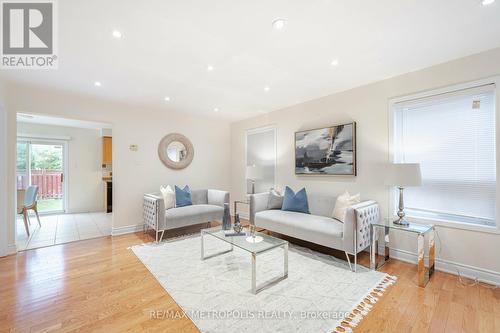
pixel 424 273
pixel 245 201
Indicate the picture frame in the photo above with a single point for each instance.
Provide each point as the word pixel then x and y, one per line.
pixel 329 151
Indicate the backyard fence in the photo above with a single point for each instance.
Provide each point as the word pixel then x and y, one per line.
pixel 49 183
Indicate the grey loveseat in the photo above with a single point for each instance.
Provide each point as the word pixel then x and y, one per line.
pixel 352 236
pixel 208 205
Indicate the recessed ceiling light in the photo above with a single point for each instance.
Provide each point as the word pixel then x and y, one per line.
pixel 335 62
pixel 167 99
pixel 117 34
pixel 210 68
pixel 487 2
pixel 97 83
pixel 266 88
pixel 279 24
pixel 216 109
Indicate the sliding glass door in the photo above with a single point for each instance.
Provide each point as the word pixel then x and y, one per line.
pixel 41 163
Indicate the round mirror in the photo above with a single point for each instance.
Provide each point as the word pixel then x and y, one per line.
pixel 175 151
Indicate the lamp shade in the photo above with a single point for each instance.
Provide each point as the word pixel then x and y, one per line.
pixel 254 172
pixel 403 174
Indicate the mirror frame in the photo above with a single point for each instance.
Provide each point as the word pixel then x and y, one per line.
pixel 162 151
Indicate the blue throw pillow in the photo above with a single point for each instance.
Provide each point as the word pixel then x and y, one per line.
pixel 295 202
pixel 182 196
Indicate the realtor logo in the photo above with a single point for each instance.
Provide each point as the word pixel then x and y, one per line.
pixel 28 30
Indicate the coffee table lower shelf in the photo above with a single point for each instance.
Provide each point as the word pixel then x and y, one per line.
pixel 268 243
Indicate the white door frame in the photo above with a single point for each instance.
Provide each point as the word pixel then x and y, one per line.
pixel 3 183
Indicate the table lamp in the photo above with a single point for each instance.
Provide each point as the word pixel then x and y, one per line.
pixel 403 175
pixel 254 172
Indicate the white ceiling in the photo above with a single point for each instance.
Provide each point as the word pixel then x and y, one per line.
pixel 167 46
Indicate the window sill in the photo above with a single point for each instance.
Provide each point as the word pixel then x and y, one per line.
pixel 455 225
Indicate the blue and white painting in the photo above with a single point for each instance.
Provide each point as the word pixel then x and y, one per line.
pixel 326 151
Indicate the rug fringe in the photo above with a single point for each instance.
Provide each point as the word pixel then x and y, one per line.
pixel 361 310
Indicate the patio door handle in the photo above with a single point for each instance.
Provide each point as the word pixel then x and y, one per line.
pixel 62 177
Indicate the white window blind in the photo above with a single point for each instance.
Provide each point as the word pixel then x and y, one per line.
pixel 452 136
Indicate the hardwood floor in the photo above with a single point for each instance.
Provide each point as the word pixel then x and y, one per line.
pixel 99 285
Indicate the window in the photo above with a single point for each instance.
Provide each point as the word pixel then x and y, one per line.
pixel 452 136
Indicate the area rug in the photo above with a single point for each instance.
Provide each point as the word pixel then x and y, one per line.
pixel 320 294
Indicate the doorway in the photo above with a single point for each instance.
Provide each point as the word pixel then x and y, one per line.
pixel 42 163
pixel 66 159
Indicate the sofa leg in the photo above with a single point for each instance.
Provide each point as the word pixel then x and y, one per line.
pixel 348 260
pixel 161 237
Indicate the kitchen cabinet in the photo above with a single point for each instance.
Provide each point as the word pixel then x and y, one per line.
pixel 107 150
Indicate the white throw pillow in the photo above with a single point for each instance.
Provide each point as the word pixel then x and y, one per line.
pixel 344 201
pixel 275 200
pixel 168 196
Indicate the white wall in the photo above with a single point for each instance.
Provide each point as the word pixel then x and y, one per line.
pixel 368 106
pixel 3 173
pixel 134 173
pixel 85 185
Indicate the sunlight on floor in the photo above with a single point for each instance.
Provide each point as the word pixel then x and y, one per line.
pixel 62 228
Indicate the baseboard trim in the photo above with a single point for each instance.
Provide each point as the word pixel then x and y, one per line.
pixel 448 266
pixel 128 229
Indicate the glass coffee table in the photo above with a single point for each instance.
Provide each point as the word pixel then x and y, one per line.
pixel 255 244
